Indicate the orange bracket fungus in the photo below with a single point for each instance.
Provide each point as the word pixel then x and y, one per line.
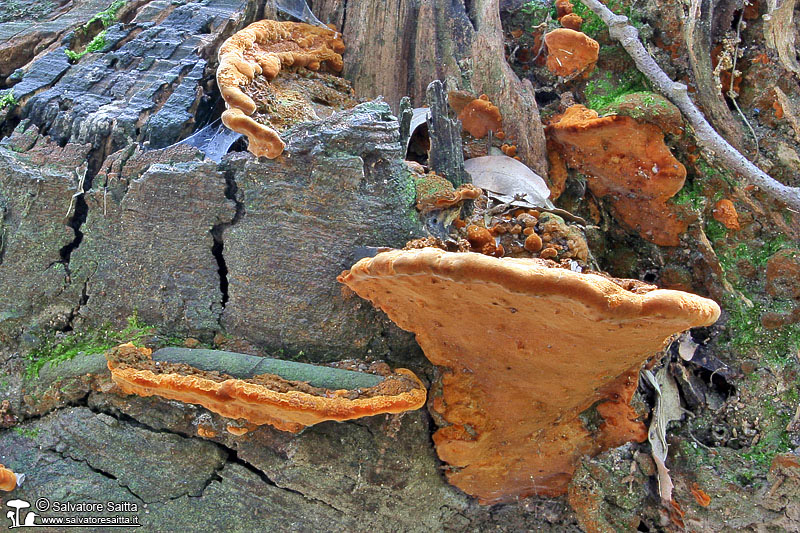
pixel 566 17
pixel 9 480
pixel 263 398
pixel 480 116
pixel 629 164
pixel 570 52
pixel 525 348
pixel 261 49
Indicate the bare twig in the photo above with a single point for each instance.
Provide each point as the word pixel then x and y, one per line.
pixel 732 94
pixel 707 137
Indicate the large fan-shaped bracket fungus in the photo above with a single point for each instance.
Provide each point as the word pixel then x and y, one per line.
pixel 524 347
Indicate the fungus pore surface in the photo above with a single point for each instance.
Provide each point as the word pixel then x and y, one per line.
pixel 263 399
pixel 523 348
pixel 262 49
pixel 629 164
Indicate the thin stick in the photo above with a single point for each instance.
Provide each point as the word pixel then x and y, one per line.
pixel 731 92
pixel 707 137
pixel 80 189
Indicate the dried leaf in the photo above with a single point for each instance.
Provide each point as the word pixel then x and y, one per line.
pixel 506 178
pixel 686 346
pixel 418 118
pixel 668 408
pixel 665 485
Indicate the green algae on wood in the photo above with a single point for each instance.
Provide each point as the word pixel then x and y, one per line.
pixel 244 366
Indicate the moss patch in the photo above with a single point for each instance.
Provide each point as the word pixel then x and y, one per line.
pixel 96 44
pixel 8 100
pixel 605 88
pixel 592 25
pixel 59 348
pixel 105 19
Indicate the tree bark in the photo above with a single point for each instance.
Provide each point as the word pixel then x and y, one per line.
pixel 398 47
pixel 699 38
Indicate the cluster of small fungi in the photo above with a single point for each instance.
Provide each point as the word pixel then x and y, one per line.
pixel 516 232
pixel 529 233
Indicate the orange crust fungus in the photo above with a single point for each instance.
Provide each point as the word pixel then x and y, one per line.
pixel 480 116
pixel 262 48
pixel 629 164
pixel 570 52
pixel 265 399
pixel 8 479
pixel 552 344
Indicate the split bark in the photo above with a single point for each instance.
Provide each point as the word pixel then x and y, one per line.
pixel 707 137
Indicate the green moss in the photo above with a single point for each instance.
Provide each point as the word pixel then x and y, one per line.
pixel 57 349
pixel 96 44
pixel 108 16
pixel 745 333
pixel 28 433
pixel 706 169
pixel 592 25
pixel 8 100
pixel 602 91
pixel 756 255
pixel 640 105
pixel 691 195
pixel 774 440
pixel 536 13
pixel 715 230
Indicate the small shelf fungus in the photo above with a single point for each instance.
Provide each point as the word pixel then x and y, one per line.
pixel 526 350
pixel 566 17
pixel 262 398
pixel 478 116
pixel 627 163
pixel 261 50
pixel 9 480
pixel 570 52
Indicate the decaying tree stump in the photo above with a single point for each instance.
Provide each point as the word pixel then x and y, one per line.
pixel 397 47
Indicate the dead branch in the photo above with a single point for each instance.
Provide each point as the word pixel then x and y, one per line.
pixel 707 137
